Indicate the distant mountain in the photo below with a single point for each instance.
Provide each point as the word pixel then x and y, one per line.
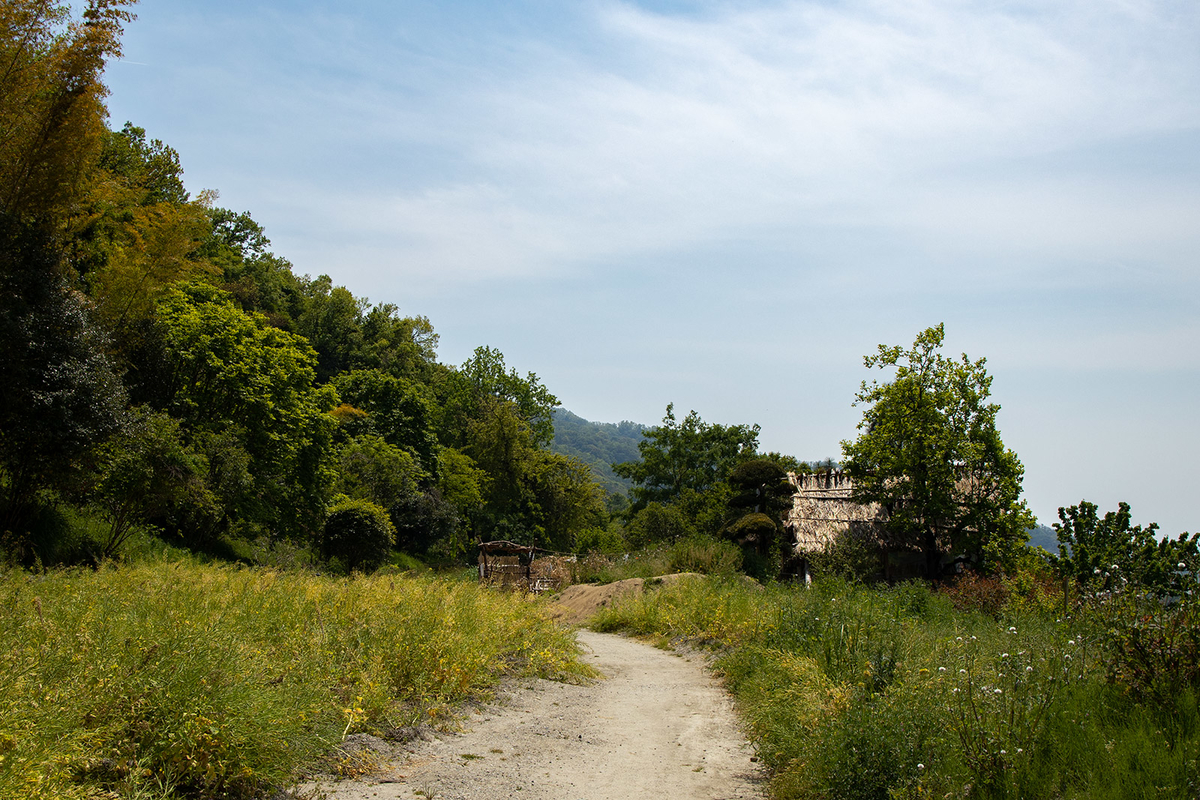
pixel 599 445
pixel 1043 536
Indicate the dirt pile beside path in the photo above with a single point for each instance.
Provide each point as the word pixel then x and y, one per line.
pixel 578 603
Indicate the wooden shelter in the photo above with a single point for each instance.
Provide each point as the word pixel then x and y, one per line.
pixel 519 566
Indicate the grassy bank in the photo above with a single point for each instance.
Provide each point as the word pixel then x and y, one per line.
pixel 851 692
pixel 183 680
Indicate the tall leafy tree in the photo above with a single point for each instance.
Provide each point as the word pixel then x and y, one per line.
pixel 396 410
pixel 930 453
pixel 484 383
pixel 60 396
pixel 682 456
pixel 225 370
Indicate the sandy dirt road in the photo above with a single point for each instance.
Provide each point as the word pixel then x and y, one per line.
pixel 658 726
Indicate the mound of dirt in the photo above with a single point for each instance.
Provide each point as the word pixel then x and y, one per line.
pixel 579 602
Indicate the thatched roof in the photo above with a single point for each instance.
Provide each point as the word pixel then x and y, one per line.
pixel 822 510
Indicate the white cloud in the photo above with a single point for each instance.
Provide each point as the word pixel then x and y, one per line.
pixel 698 129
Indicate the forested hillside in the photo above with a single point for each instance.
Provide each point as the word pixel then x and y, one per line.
pixel 599 445
pixel 165 369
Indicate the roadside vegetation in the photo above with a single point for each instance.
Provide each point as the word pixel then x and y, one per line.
pixel 986 690
pixel 179 679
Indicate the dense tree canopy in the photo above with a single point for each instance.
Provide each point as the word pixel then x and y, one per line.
pixel 930 453
pixel 691 455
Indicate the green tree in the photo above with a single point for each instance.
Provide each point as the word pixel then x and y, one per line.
pixel 224 369
pixel 135 231
pixel 236 247
pixel 658 524
pixel 60 397
pixel 688 456
pixel 929 452
pixel 484 384
pixel 567 499
pixel 1109 553
pixel 332 323
pixel 147 472
pixel 398 410
pixel 371 469
pixel 359 535
pixel 761 493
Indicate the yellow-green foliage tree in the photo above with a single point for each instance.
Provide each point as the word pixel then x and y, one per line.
pixel 136 232
pixel 225 372
pixel 52 102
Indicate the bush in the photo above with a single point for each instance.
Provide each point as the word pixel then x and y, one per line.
pixel 358 534
pixel 853 556
pixel 974 592
pixel 599 540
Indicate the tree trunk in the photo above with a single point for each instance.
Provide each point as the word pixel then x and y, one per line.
pixel 933 556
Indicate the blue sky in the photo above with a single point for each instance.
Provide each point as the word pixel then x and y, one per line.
pixel 725 205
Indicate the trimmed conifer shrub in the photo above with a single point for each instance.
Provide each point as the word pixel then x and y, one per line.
pixel 359 535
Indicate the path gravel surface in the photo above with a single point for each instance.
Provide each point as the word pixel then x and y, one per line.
pixel 657 726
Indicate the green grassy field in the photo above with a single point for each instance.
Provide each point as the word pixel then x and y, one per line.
pixel 184 680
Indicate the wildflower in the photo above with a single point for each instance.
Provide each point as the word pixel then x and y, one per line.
pixel 920 766
pixel 962 672
pixel 1019 751
pixel 1071 642
pixel 941 669
pixel 1003 752
pixel 1029 669
pixel 1004 655
pixel 998 691
pixel 958 638
pixel 1012 629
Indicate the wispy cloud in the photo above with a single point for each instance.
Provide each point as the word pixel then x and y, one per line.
pixel 690 129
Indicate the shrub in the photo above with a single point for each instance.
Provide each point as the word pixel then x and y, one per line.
pixel 359 534
pixel 853 556
pixel 607 541
pixel 975 592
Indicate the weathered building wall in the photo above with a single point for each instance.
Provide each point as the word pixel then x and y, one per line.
pixel 822 510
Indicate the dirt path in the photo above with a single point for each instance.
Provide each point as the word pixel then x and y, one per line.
pixel 658 727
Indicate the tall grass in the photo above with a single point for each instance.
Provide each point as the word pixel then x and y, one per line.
pixel 184 680
pixel 853 692
pixel 703 554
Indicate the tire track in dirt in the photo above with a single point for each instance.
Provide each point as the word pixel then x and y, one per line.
pixel 657 726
